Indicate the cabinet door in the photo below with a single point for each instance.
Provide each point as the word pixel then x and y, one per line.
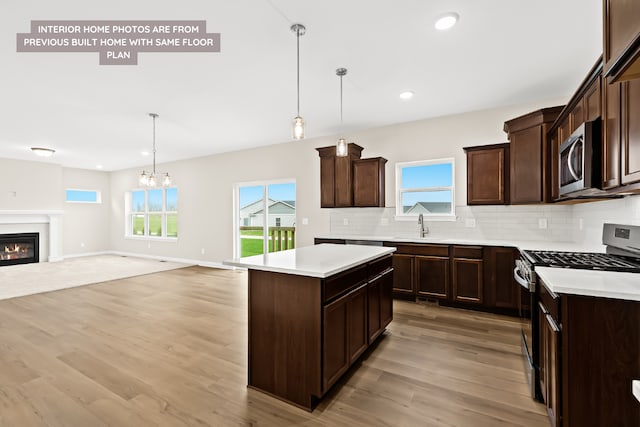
pixel 611 135
pixel 593 101
pixel 526 166
pixel 630 159
pixel 403 274
pixel 552 372
pixel 576 116
pixel 554 161
pixel 467 280
pixel 621 38
pixel 432 276
pixel 543 351
pixel 357 318
pixel 335 354
pixel 343 182
pixel 375 322
pixel 368 182
pixel 327 182
pixel 386 299
pixel 500 289
pixel 486 176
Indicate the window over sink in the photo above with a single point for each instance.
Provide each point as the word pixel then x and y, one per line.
pixel 425 187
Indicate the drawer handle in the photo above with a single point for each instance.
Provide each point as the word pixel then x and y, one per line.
pixel 552 323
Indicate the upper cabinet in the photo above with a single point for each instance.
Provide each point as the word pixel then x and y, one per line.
pixel 336 176
pixel 488 174
pixel 368 182
pixel 529 156
pixel 621 40
pixel 350 181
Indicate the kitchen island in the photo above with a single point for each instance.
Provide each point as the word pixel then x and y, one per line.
pixel 313 311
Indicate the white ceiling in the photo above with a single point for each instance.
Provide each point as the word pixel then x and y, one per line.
pixel 502 52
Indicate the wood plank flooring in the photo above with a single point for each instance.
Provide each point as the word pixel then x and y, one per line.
pixel 170 349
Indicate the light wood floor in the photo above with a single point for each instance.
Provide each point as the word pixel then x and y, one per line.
pixel 170 349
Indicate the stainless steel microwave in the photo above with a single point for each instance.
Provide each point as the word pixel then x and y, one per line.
pixel 579 168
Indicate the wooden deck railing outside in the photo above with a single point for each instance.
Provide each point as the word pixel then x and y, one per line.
pixel 281 238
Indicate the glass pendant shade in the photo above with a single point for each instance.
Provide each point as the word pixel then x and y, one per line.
pixel 144 179
pixel 152 181
pixel 341 148
pixel 298 128
pixel 166 181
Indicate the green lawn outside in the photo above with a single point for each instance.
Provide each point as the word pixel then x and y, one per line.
pixel 155 225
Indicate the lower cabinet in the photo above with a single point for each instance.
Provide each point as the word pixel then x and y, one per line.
pixel 432 276
pixel 549 348
pixel 345 333
pixel 501 291
pixel 467 280
pixel 380 303
pixel 403 275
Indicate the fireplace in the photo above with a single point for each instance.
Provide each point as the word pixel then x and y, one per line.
pixel 20 248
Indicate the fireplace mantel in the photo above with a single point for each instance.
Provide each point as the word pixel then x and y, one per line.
pixel 50 217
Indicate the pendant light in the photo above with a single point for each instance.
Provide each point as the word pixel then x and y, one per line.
pixel 151 179
pixel 298 122
pixel 341 146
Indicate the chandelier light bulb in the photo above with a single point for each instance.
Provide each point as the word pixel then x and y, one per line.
pixel 298 128
pixel 341 148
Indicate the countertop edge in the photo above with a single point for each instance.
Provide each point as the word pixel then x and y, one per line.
pixel 309 273
pixel 635 388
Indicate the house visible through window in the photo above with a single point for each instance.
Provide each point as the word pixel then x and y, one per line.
pixel 153 213
pixel 425 187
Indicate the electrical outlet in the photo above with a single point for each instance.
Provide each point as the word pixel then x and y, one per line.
pixel 542 223
pixel 384 221
pixel 13 193
pixel 470 222
pixel 580 224
pixel 345 221
pixel 305 221
pixel 82 245
pixel 202 251
pixel 148 245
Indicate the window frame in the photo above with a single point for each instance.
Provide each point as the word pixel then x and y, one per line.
pixel 400 215
pixel 130 213
pixel 84 190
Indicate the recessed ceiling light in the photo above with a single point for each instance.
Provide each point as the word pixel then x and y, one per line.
pixel 406 95
pixel 446 21
pixel 99 166
pixel 144 153
pixel 43 152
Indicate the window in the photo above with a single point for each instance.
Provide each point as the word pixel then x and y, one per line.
pixel 425 187
pixel 265 217
pixel 153 213
pixel 82 196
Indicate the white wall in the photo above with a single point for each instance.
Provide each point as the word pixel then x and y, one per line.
pixel 86 226
pixel 205 185
pixel 30 185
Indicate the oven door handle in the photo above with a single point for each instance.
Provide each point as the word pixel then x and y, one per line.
pixel 518 278
pixel 570 160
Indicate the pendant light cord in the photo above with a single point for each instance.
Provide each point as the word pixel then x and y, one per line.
pixel 298 66
pixel 341 102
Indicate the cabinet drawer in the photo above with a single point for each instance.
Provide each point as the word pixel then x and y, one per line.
pixel 378 266
pixel 423 249
pixel 343 282
pixel 551 302
pixel 471 252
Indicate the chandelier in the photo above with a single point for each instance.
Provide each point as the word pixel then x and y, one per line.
pixel 151 179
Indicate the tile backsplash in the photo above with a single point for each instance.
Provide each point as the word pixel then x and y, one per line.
pixel 564 223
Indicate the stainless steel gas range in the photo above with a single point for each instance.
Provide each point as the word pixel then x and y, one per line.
pixel 622 254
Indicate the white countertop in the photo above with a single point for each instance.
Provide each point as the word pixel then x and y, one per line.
pixel 605 284
pixel 520 244
pixel 635 386
pixel 314 261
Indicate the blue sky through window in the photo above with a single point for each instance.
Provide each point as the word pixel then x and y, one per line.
pixel 251 194
pixel 86 196
pixel 438 175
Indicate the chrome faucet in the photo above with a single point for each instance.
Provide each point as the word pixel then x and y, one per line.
pixel 423 230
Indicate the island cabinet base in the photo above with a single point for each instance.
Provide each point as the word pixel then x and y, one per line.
pixel 305 332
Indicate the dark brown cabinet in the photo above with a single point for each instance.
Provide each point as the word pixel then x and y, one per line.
pixel 368 182
pixel 467 277
pixel 351 181
pixel 335 357
pixel 336 176
pixel 621 39
pixel 403 275
pixel 549 357
pixel 432 276
pixel 630 127
pixel 611 135
pixel 500 289
pixel 488 174
pixel 380 302
pixel 529 163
